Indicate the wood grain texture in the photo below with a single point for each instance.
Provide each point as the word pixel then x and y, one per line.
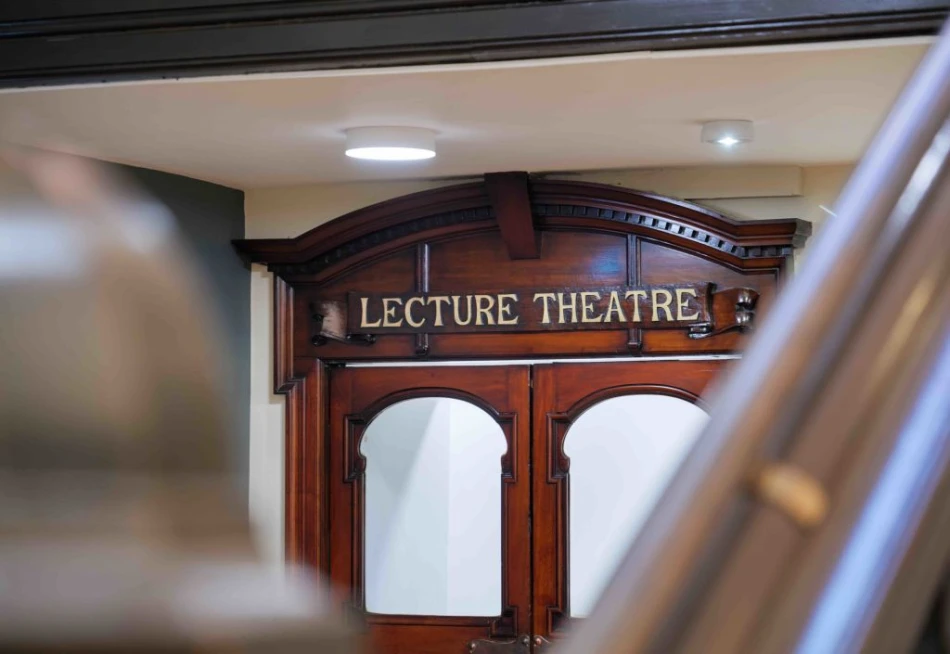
pixel 585 239
pixel 375 231
pixel 562 392
pixel 358 395
pixel 508 194
pixel 107 40
pixel 449 240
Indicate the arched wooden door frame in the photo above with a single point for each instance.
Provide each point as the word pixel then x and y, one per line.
pixel 518 207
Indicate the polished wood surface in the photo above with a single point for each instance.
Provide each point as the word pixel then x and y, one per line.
pixel 449 239
pixel 589 234
pixel 508 193
pixel 562 392
pixel 357 396
pixel 535 406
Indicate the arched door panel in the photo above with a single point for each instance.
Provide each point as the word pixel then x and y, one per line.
pixel 429 503
pixel 628 425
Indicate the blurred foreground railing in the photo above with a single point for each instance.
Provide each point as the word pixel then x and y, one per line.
pixel 120 527
pixel 813 514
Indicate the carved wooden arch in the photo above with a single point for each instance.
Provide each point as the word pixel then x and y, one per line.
pixel 376 230
pixel 519 215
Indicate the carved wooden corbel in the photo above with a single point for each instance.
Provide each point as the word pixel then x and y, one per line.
pixel 733 309
pixel 329 324
pixel 508 193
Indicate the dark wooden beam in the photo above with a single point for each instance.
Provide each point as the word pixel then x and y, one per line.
pixel 508 193
pixel 59 41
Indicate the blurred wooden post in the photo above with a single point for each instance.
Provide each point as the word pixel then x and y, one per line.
pixel 119 527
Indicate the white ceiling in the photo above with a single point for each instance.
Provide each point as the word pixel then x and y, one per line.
pixel 814 104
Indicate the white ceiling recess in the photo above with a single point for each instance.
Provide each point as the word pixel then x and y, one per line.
pixel 811 105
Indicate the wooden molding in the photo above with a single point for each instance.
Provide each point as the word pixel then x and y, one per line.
pixel 406 244
pixel 508 193
pixel 464 209
pixel 108 40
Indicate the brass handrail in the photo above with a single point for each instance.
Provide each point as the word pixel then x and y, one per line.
pixel 746 550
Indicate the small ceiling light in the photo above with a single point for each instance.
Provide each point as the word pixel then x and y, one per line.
pixel 727 133
pixel 390 143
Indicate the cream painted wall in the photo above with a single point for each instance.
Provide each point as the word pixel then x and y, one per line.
pixel 745 192
pixel 287 212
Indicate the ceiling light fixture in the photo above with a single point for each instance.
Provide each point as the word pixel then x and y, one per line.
pixel 390 143
pixel 727 133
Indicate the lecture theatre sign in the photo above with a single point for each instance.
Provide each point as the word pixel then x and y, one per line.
pixel 699 308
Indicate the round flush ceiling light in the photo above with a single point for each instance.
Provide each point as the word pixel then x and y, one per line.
pixel 727 133
pixel 390 143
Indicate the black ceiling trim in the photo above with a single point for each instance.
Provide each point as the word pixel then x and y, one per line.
pixel 55 41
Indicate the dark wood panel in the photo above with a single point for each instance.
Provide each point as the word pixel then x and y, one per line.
pixel 395 273
pixel 449 239
pixel 333 248
pixel 422 639
pixel 661 264
pixel 562 392
pixel 469 346
pixel 508 193
pixel 481 262
pixel 57 41
pixel 357 396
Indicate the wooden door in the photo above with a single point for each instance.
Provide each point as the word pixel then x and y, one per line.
pixel 563 393
pixel 365 406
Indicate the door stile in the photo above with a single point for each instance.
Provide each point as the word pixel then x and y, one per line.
pixel 549 510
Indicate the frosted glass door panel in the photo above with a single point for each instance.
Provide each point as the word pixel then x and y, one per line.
pixel 623 452
pixel 433 509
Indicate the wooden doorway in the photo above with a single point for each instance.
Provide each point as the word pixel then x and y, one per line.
pixel 551 269
pixel 504 586
pixel 564 395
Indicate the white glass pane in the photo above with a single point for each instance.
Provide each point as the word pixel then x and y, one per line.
pixel 433 509
pixel 623 452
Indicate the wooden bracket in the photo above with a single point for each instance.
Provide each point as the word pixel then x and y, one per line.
pixel 329 324
pixel 508 193
pixel 732 309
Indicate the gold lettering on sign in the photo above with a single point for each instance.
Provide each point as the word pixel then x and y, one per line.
pixel 682 303
pixel 505 310
pixel 363 322
pixel 483 307
pixel 665 306
pixel 661 306
pixel 587 306
pixel 562 307
pixel 437 300
pixel 613 306
pixel 546 316
pixel 409 320
pixel 455 310
pixel 636 295
pixel 389 312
